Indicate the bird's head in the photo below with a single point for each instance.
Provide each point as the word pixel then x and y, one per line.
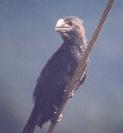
pixel 70 27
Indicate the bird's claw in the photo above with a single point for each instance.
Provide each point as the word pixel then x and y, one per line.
pixel 56 118
pixel 68 94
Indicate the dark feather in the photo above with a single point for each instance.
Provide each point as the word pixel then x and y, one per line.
pixel 54 79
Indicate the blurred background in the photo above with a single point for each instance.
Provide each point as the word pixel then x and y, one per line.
pixel 27 40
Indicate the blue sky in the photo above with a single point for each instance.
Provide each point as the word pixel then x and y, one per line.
pixel 27 40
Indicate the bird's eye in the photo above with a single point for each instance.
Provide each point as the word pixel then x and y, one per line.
pixel 70 23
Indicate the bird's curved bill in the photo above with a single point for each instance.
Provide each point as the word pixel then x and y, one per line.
pixel 61 26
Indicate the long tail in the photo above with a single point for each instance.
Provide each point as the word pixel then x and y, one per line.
pixel 31 123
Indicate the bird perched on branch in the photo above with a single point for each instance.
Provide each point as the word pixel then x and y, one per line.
pixel 58 72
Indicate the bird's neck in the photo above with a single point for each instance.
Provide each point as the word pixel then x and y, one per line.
pixel 79 41
pixel 75 39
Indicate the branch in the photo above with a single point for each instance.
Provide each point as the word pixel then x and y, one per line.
pixel 80 68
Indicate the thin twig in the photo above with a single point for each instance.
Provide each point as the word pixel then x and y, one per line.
pixel 51 127
pixel 80 68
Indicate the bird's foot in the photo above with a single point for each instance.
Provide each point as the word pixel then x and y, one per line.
pixel 68 94
pixel 56 118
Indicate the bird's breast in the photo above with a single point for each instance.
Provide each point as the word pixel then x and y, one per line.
pixel 76 52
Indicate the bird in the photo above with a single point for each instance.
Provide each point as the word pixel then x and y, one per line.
pixel 53 80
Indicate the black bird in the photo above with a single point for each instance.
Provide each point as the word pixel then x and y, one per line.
pixel 58 72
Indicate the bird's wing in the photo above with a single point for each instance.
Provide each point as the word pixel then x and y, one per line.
pixel 55 76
